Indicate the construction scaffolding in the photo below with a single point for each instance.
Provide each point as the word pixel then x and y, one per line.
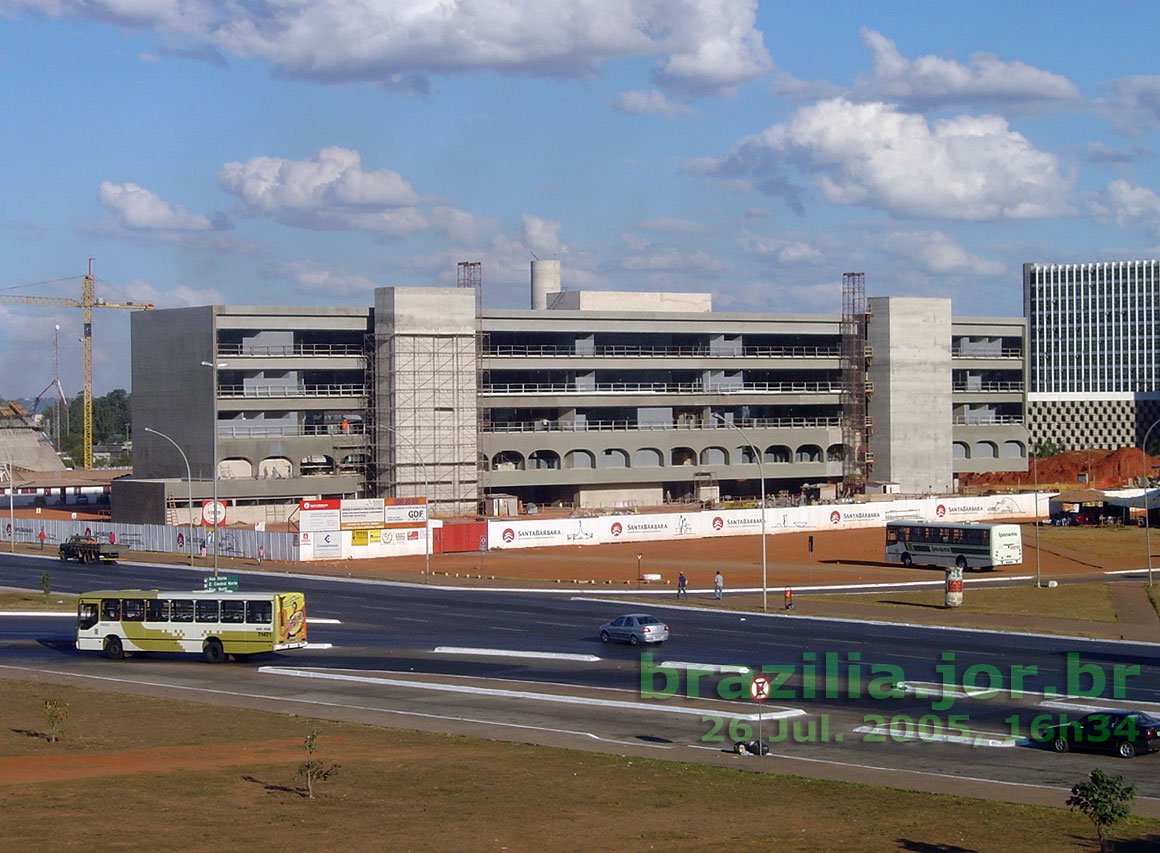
pixel 423 421
pixel 470 274
pixel 855 358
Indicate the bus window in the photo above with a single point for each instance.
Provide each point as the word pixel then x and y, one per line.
pixel 181 610
pixel 891 535
pixel 86 615
pixel 259 612
pixel 156 610
pixel 207 611
pixel 133 610
pixel 233 611
pixel 111 609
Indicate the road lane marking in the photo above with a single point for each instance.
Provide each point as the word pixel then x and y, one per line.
pixel 499 693
pixel 969 737
pixel 514 653
pixel 706 667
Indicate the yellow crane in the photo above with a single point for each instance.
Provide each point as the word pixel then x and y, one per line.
pixel 86 303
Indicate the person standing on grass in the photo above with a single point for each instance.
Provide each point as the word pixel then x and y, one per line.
pixel 682 586
pixel 718 586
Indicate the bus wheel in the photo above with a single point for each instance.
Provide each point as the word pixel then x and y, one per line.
pixel 212 651
pixel 961 562
pixel 907 560
pixel 113 648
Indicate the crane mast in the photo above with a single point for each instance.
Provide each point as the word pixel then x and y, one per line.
pixel 87 303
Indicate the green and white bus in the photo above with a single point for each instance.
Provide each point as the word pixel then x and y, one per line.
pixel 214 624
pixel 936 543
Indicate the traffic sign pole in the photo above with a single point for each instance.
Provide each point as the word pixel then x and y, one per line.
pixel 759 690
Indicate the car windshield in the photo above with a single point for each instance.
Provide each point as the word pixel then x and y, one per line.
pixel 1147 719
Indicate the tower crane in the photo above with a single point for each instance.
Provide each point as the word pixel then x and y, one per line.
pixel 86 303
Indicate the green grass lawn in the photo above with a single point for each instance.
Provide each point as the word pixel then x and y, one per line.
pixel 14 599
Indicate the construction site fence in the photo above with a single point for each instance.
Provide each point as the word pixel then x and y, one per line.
pixel 159 538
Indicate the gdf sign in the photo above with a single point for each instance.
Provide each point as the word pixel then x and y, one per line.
pixel 213 513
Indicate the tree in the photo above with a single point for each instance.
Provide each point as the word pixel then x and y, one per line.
pixel 112 415
pixel 1104 799
pixel 313 769
pixel 55 710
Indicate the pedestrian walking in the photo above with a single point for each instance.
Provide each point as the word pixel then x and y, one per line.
pixel 682 586
pixel 718 586
pixel 261 553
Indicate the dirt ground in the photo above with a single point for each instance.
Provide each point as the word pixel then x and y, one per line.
pixel 135 773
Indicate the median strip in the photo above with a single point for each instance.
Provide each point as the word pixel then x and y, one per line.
pixel 514 653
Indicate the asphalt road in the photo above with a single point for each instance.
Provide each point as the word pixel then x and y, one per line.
pixel 530 667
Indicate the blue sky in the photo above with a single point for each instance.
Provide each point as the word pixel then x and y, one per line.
pixel 286 153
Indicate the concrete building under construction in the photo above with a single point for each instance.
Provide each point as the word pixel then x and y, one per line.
pixel 587 398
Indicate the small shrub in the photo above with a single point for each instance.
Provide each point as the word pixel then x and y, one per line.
pixel 1104 799
pixel 44 584
pixel 55 711
pixel 312 769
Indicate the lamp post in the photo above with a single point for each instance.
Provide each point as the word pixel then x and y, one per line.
pixel 426 509
pixel 11 502
pixel 1035 468
pixel 1147 530
pixel 761 476
pixel 188 480
pixel 215 366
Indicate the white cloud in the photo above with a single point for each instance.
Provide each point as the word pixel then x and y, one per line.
pixel 334 178
pixel 308 277
pixel 965 168
pixel 543 237
pixel 932 81
pixel 1131 206
pixel 935 252
pixel 652 102
pixel 679 226
pixel 669 259
pixel 142 292
pixel 701 47
pixel 1132 105
pixel 785 251
pixel 138 209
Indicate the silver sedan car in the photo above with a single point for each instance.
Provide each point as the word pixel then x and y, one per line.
pixel 635 628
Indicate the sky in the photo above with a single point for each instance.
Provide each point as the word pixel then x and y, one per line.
pixel 304 152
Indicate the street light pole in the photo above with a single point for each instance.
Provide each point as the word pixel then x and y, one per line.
pixel 761 477
pixel 11 502
pixel 426 508
pixel 215 365
pixel 1147 531
pixel 1035 468
pixel 188 480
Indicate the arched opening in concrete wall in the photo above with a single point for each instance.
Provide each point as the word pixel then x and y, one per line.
pixel 543 460
pixel 579 459
pixel 960 450
pixel 648 457
pixel 684 456
pixel 507 460
pixel 835 453
pixel 985 450
pixel 613 458
pixel 275 468
pixel 808 453
pixel 745 455
pixel 714 456
pixel 1012 450
pixel 778 454
pixel 235 469
pixel 316 464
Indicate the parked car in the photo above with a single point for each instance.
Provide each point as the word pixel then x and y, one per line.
pixel 1122 733
pixel 635 628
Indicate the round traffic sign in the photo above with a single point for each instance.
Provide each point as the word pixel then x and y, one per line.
pixel 213 513
pixel 759 689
